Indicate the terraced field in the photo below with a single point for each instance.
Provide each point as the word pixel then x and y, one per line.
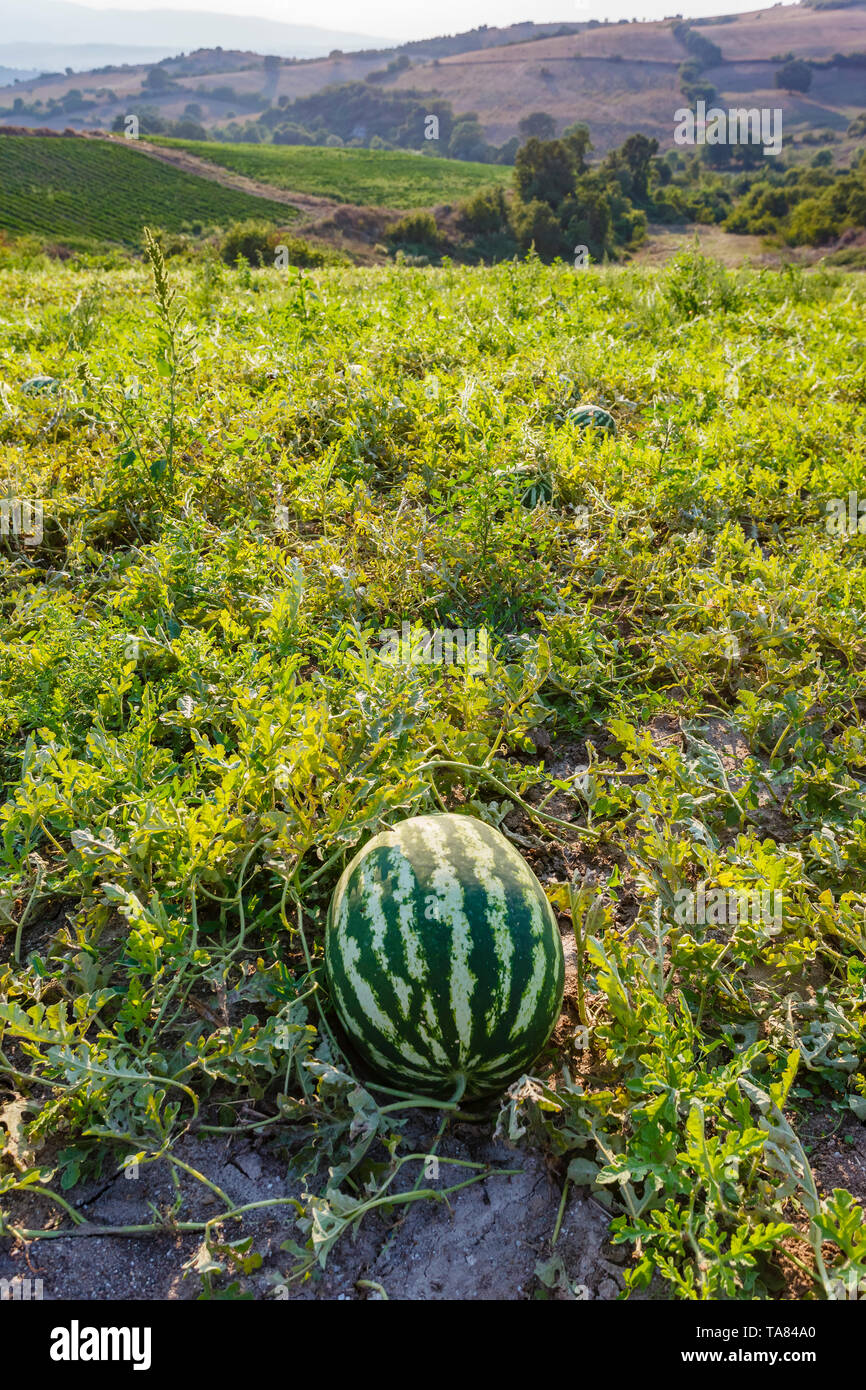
pixel 93 190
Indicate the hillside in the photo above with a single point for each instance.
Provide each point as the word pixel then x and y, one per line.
pixel 619 78
pixel 84 190
pixel 624 78
pixel 383 178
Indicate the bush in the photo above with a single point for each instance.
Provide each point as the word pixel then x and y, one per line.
pixel 415 229
pixel 486 211
pixel 291 134
pixel 536 224
pixel 188 130
pixel 255 241
pixel 795 76
pixel 813 222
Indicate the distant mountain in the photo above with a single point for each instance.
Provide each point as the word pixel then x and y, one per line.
pixel 24 60
pixel 10 75
pixel 161 33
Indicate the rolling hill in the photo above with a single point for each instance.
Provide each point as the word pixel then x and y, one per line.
pixel 382 178
pixel 617 77
pixel 96 190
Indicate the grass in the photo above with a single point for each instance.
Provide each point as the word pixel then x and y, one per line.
pixel 245 481
pixel 382 178
pixel 82 191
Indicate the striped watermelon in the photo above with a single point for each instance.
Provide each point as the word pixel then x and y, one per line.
pixel 443 956
pixel 592 417
pixel 531 484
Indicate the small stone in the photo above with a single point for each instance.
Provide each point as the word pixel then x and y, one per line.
pixel 250 1164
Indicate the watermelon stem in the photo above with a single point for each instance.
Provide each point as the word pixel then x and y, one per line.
pixel 531 811
pixel 452 1104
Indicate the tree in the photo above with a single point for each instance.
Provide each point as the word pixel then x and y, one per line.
pixel 544 170
pixel 576 137
pixel 467 140
pixel 149 121
pixel 188 130
pixel 638 152
pixel 795 76
pixel 157 80
pixel 587 216
pixel 537 124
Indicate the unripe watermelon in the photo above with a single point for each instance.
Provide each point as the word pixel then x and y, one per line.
pixel 592 417
pixel 444 957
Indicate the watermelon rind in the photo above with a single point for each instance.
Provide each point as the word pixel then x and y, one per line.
pixel 592 417
pixel 443 957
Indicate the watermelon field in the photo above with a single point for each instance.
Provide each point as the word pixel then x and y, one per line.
pixel 291 558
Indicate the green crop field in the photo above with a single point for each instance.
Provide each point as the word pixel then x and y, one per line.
pixel 92 190
pixel 382 178
pixel 238 487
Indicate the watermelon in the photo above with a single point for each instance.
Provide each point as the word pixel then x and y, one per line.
pixel 40 386
pixel 443 957
pixel 531 484
pixel 592 417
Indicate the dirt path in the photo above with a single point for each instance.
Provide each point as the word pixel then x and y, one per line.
pixel 664 242
pixel 348 227
pixel 309 205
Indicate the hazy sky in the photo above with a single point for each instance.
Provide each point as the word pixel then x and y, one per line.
pixel 399 20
